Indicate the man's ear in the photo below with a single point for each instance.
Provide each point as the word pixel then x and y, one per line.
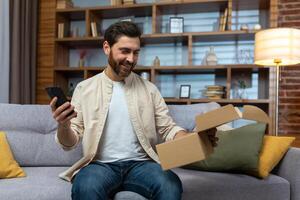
pixel 106 48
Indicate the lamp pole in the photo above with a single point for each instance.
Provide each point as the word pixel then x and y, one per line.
pixel 277 61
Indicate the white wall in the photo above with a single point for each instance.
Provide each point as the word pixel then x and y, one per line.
pixel 4 51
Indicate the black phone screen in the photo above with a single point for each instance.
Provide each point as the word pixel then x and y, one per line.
pixel 57 92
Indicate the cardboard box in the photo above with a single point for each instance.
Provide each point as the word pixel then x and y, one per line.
pixel 196 146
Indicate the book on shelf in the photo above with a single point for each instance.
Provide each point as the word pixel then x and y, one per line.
pixel 60 30
pixel 63 4
pixel 116 2
pixel 223 20
pixel 128 2
pixel 94 29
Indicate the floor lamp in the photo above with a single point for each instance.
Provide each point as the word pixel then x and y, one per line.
pixel 277 47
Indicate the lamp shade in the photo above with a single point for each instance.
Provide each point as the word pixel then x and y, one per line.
pixel 277 46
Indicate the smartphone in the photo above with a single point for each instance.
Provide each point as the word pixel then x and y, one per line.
pixel 57 92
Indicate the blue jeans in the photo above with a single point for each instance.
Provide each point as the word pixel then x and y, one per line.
pixel 100 181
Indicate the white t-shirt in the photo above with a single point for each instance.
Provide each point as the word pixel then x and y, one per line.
pixel 119 141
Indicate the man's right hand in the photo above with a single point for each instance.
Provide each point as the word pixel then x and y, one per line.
pixel 62 113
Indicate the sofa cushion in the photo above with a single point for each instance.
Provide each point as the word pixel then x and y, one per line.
pixel 43 183
pixel 215 186
pixel 30 131
pixel 237 150
pixel 9 168
pixel 274 148
pixel 184 115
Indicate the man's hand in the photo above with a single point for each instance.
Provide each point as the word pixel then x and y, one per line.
pixel 61 114
pixel 211 133
pixel 180 134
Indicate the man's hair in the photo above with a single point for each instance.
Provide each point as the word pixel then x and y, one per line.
pixel 123 28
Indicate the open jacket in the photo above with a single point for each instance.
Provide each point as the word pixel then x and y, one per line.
pixel 147 111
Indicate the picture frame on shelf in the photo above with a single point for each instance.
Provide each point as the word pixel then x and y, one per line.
pixel 176 24
pixel 185 91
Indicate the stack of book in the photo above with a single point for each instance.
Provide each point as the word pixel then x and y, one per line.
pixel 128 2
pixel 214 91
pixel 63 4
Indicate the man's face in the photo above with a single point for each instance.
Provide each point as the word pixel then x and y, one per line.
pixel 123 55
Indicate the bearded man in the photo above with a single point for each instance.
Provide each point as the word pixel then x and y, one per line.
pixel 119 118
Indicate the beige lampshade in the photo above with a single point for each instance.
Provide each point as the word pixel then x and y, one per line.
pixel 280 45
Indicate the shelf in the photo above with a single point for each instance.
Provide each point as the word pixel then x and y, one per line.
pixel 191 6
pixel 170 69
pixel 233 101
pixel 79 69
pixel 165 38
pixel 72 14
pixel 182 7
pixel 223 36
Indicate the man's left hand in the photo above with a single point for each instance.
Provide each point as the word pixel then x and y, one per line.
pixel 211 133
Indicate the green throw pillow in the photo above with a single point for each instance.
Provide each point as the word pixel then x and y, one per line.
pixel 238 150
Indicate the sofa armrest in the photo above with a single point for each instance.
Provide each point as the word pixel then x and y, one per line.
pixel 289 169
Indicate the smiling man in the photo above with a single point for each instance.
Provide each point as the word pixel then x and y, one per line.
pixel 119 117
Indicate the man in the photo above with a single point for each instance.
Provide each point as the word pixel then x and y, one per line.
pixel 120 117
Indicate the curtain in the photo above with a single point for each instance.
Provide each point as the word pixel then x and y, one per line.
pixel 23 41
pixel 4 51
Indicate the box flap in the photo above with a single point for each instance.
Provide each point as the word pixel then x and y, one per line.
pixel 217 117
pixel 256 114
pixel 182 151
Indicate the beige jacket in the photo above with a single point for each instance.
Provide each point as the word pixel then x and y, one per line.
pixel 147 110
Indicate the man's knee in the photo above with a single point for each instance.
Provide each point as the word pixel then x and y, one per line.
pixel 169 187
pixel 86 188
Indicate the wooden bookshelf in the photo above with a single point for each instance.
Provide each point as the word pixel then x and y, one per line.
pixel 54 67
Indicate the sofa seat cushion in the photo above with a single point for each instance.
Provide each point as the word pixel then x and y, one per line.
pixel 43 183
pixel 215 186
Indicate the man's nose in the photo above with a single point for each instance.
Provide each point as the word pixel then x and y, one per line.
pixel 130 58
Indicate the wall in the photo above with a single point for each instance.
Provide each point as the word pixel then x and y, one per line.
pixel 289 16
pixel 4 51
pixel 45 54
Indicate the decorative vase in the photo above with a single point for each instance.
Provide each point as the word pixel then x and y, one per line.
pixel 156 62
pixel 211 58
pixel 242 93
pixel 204 62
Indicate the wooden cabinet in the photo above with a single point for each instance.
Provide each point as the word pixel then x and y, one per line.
pixel 181 54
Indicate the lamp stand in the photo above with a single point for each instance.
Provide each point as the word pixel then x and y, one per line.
pixel 277 96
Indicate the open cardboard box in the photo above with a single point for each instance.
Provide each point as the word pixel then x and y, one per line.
pixel 196 146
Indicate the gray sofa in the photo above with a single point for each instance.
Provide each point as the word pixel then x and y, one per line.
pixel 30 132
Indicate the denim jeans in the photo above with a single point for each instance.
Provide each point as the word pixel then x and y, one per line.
pixel 100 181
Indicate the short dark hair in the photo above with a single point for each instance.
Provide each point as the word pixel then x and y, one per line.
pixel 122 28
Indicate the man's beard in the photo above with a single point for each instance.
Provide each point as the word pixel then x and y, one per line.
pixel 121 71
